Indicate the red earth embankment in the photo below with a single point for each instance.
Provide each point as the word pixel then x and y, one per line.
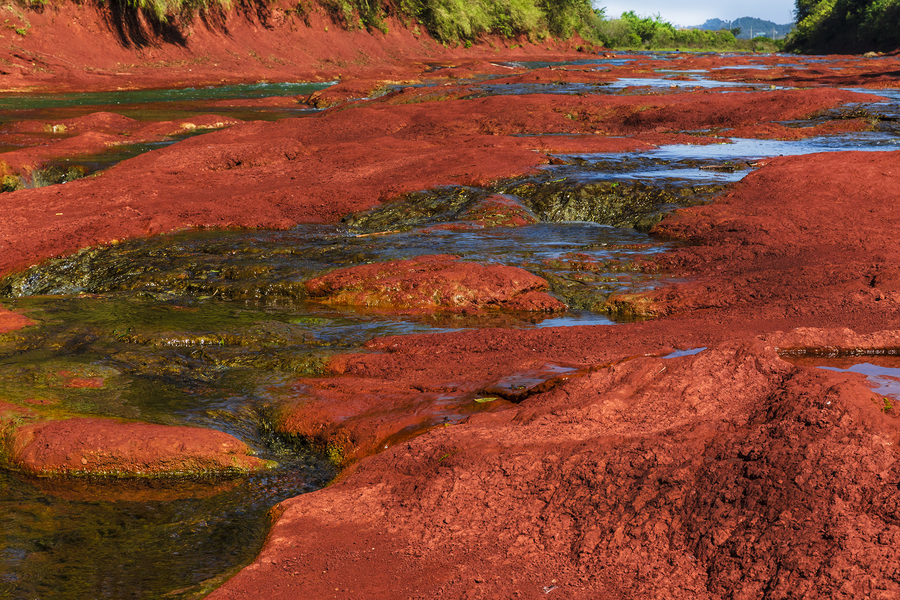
pixel 79 46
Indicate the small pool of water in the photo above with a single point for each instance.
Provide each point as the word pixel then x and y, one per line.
pixel 688 352
pixel 720 163
pixel 161 105
pixel 882 372
pixel 884 380
pixel 153 539
pixel 692 81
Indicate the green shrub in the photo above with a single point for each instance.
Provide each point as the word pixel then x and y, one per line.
pixel 845 26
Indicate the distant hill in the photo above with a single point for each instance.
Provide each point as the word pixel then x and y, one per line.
pixel 748 25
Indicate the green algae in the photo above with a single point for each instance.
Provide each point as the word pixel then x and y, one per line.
pixel 140 358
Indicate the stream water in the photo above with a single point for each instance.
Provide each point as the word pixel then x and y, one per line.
pixel 211 328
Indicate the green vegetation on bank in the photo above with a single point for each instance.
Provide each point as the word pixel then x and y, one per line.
pixel 446 20
pixel 747 26
pixel 653 33
pixel 846 26
pixel 460 21
pixel 465 21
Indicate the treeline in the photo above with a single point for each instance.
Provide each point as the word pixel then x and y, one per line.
pixel 748 26
pixel 653 33
pixel 450 21
pixel 846 26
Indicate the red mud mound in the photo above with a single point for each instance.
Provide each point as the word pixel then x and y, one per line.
pixel 728 474
pixel 434 282
pixel 84 446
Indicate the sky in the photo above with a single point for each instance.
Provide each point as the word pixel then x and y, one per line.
pixel 696 12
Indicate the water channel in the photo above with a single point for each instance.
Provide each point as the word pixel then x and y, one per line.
pixel 210 328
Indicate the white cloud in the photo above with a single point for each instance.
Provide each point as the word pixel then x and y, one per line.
pixel 696 12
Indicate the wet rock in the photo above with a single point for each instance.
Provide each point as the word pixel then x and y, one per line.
pixel 11 321
pixel 620 204
pixel 434 282
pixel 350 90
pixel 353 417
pixel 499 210
pixel 81 446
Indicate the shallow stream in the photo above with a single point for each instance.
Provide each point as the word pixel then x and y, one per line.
pixel 211 328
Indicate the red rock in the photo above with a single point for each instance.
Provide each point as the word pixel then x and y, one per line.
pixel 499 210
pixel 84 382
pixel 125 449
pixel 672 467
pixel 11 321
pixel 434 282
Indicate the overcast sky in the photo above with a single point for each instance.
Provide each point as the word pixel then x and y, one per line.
pixel 696 12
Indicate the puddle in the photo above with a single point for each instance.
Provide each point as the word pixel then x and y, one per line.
pixel 628 85
pixel 87 539
pixel 689 352
pixel 718 163
pixel 882 372
pixel 149 105
pixel 884 381
pixel 518 386
pixel 693 81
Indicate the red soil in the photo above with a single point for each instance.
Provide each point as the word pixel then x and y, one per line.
pixel 727 474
